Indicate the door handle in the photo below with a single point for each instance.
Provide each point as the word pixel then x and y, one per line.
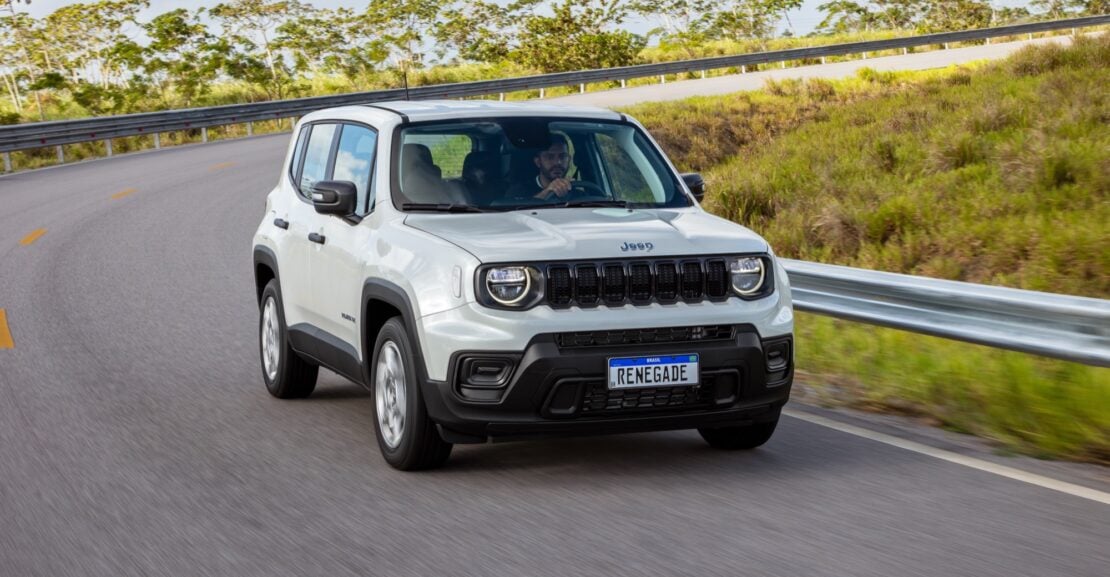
pixel 316 238
pixel 281 223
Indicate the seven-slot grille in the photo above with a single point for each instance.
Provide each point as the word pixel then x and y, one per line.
pixel 636 282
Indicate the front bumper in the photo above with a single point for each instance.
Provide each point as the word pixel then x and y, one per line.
pixel 558 386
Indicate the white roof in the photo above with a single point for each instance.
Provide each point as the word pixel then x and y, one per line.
pixel 420 110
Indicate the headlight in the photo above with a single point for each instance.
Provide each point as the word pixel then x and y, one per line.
pixel 747 275
pixel 510 286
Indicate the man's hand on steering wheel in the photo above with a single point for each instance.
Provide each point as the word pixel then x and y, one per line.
pixel 562 188
pixel 558 187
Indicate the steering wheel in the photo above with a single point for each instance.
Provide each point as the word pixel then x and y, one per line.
pixel 585 188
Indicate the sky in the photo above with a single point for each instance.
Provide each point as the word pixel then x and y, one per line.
pixel 804 20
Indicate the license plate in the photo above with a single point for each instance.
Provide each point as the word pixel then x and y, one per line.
pixel 661 371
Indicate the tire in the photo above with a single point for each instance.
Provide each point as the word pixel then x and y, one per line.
pixel 287 375
pixel 739 438
pixel 407 437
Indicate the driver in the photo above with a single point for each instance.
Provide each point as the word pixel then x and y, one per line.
pixel 553 163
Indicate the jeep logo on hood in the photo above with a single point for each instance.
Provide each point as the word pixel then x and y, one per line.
pixel 637 246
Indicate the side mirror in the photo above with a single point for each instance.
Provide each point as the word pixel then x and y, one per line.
pixel 695 183
pixel 336 197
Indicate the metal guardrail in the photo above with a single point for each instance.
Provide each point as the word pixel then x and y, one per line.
pixel 1059 326
pixel 56 133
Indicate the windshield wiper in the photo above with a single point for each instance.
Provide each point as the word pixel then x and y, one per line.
pixel 592 203
pixel 441 207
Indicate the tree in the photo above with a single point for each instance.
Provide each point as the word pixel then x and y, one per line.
pixel 404 26
pixel 251 25
pixel 951 15
pixel 683 22
pixel 751 18
pixel 576 37
pixel 180 54
pixel 332 42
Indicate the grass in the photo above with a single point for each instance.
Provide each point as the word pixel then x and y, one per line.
pixel 996 174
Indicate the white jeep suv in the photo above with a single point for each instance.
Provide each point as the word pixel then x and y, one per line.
pixel 501 271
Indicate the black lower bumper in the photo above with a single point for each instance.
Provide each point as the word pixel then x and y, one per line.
pixel 560 388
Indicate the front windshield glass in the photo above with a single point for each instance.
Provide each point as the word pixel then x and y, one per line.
pixel 513 163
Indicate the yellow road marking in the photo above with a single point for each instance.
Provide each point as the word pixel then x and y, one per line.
pixel 6 341
pixel 123 193
pixel 32 237
pixel 222 165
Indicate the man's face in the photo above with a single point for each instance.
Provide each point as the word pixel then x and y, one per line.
pixel 553 162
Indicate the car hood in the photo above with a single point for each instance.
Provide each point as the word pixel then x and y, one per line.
pixel 588 233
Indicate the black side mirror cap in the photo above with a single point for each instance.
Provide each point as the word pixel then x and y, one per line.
pixel 695 183
pixel 336 197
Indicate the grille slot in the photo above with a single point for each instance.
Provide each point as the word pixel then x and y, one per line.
pixel 666 281
pixel 613 283
pixel 588 289
pixel 639 282
pixel 644 336
pixel 558 285
pixel 716 279
pixel 691 280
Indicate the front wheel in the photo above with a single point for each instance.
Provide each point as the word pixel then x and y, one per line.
pixel 739 438
pixel 287 375
pixel 406 435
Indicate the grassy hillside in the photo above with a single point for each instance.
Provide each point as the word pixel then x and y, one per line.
pixel 997 174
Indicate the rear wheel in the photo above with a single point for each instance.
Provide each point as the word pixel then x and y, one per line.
pixel 739 438
pixel 406 435
pixel 287 375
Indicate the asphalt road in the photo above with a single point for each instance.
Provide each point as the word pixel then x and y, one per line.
pixel 136 437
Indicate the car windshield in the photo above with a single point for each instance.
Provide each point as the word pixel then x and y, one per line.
pixel 512 163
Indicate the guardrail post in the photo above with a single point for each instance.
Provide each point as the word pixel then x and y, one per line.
pixel 662 79
pixel 581 88
pixel 622 83
pixel 157 140
pixel 7 162
pixel 703 75
pixel 822 60
pixel 946 46
pixel 250 129
pixel 108 146
pixel 865 56
pixel 61 154
pixel 501 96
pixel 204 134
pixel 905 51
pixel 743 69
pixel 783 65
pixel 541 93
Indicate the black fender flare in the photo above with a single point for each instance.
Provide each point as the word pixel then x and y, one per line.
pixel 263 255
pixel 395 296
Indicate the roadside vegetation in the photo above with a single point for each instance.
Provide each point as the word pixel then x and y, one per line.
pixel 996 174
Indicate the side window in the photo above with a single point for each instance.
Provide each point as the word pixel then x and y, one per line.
pixel 354 161
pixel 448 151
pixel 298 154
pixel 316 157
pixel 625 177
